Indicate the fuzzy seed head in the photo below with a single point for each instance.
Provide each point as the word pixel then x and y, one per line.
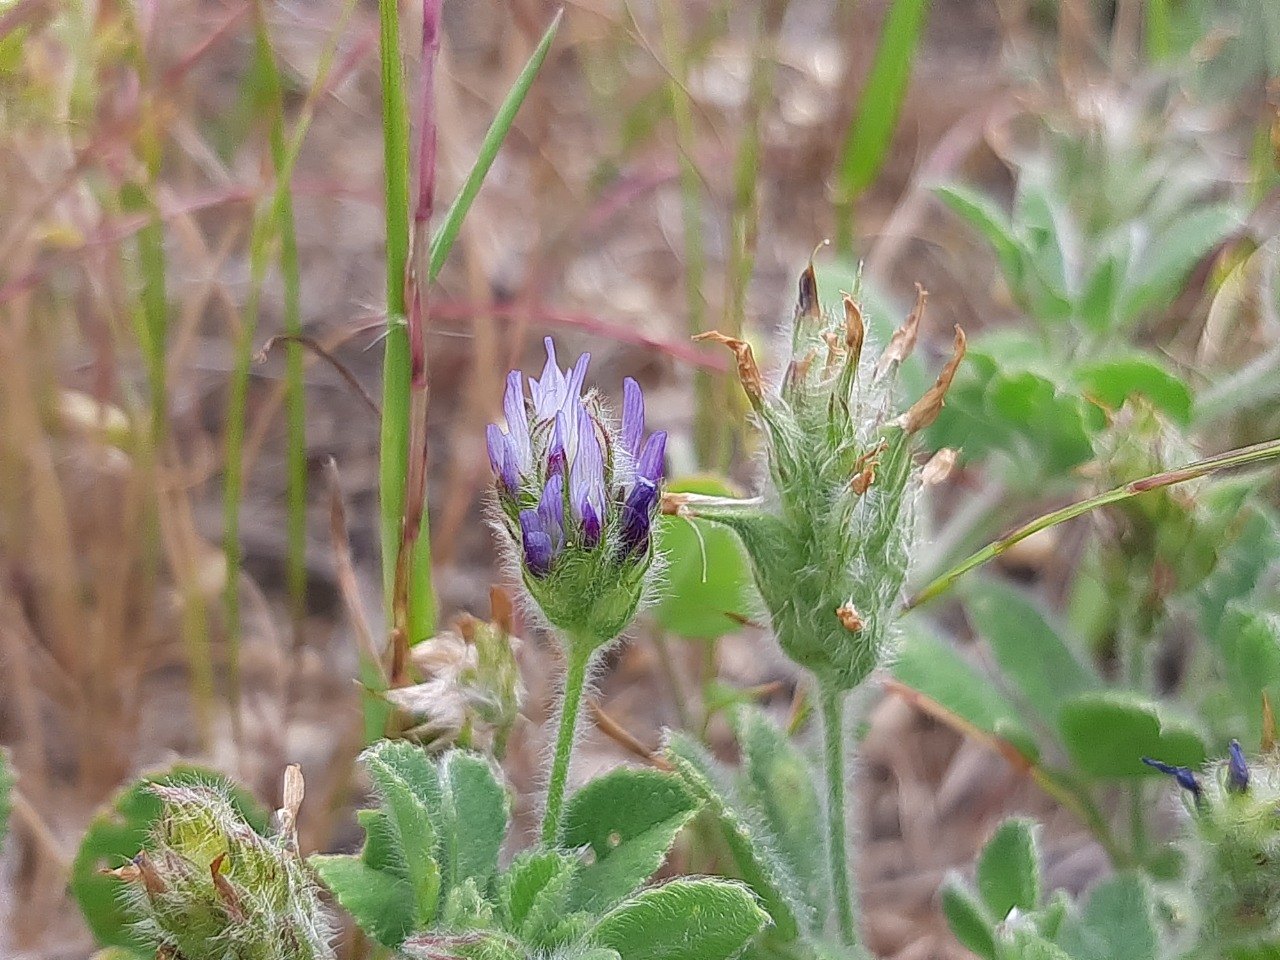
pixel 830 541
pixel 209 886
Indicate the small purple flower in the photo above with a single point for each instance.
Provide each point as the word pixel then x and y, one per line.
pixel 1183 775
pixel 564 474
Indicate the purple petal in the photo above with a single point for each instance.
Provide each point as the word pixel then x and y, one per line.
pixel 632 417
pixel 560 451
pixel 649 465
pixel 517 421
pixel 537 545
pixel 551 512
pixel 586 472
pixel 502 457
pixel 1237 769
pixel 1183 775
pixel 573 389
pixel 637 516
pixel 590 526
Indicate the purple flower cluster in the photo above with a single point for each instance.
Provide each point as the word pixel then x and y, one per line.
pixel 564 476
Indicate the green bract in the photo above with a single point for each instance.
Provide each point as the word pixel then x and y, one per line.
pixel 208 885
pixel 829 538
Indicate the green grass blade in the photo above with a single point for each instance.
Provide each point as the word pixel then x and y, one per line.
pixel 271 95
pixel 393 457
pixel 867 143
pixel 1244 456
pixel 268 224
pixel 444 239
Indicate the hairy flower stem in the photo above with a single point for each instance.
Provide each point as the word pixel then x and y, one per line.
pixel 575 679
pixel 832 698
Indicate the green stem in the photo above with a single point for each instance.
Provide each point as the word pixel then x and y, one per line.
pixel 575 679
pixel 837 846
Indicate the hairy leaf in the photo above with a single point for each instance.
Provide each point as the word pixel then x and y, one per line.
pixel 628 819
pixel 686 919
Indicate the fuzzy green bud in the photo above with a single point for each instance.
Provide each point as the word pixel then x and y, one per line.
pixel 208 885
pixel 829 539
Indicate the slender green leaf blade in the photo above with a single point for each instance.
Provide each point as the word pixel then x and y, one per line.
pixel 880 103
pixel 6 789
pixel 780 786
pixel 444 239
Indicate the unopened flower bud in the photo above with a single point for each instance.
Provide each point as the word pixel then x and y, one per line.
pixel 208 881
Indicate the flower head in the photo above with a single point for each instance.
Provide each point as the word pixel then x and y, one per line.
pixel 577 494
pixel 829 539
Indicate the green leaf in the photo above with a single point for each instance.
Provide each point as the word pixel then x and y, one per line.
pixel 990 221
pixel 1108 733
pixel 409 788
pixel 475 818
pixel 381 902
pixel 968 919
pixel 1009 869
pixel 628 819
pixel 934 668
pixel 1249 644
pixel 1241 565
pixel 757 863
pixel 1170 257
pixel 780 786
pixel 1113 381
pixel 118 833
pixel 708 580
pixel 1031 653
pixel 686 919
pixel 1118 921
pixel 879 104
pixel 1096 309
pixel 534 893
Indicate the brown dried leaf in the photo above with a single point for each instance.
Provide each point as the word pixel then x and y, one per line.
pixel 925 410
pixel 903 340
pixel 748 372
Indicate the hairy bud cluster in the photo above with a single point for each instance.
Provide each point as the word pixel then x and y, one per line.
pixel 209 886
pixel 829 538
pixel 1235 846
pixel 577 494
